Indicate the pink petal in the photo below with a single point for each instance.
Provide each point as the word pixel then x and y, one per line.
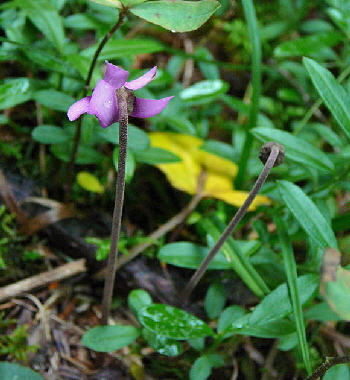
pixel 142 81
pixel 149 107
pixel 78 108
pixel 115 76
pixel 103 104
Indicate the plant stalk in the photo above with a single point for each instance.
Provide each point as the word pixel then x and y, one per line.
pixel 270 163
pixel 118 209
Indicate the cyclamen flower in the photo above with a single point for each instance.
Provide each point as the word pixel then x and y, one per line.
pixel 103 101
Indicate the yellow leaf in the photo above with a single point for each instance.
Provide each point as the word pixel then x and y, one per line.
pixel 89 182
pixel 184 175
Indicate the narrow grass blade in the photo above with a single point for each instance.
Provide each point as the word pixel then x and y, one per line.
pixel 291 272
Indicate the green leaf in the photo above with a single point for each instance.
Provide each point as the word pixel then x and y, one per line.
pixel 53 99
pixel 338 372
pixel 206 90
pixel 275 329
pixel 332 93
pixel 277 305
pixel 228 316
pixel 124 48
pixel 154 156
pixel 162 344
pixel 110 338
pixel 337 294
pixel 219 148
pixel 86 154
pixel 201 369
pixel 315 45
pixel 172 322
pixel 189 255
pixel 321 312
pixel 48 61
pixel 307 214
pixel 138 140
pixel 215 300
pixel 138 299
pixel 46 18
pixel 15 91
pixel 296 148
pixel 12 371
pixel 176 15
pixel 49 134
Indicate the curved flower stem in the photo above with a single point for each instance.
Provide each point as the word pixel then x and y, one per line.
pixel 118 209
pixel 77 135
pixel 270 163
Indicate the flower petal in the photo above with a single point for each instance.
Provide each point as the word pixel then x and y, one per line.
pixel 78 108
pixel 103 104
pixel 115 76
pixel 142 81
pixel 149 107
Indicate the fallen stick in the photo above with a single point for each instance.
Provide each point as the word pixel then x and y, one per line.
pixel 42 279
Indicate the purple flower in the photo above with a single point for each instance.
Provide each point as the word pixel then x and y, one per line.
pixel 103 101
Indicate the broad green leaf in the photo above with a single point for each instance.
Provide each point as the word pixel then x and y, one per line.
pixel 13 371
pixel 203 91
pixel 48 61
pixel 337 294
pixel 109 3
pixel 138 140
pixel 275 329
pixel 229 316
pixel 176 15
pixel 89 182
pixel 49 134
pixel 338 372
pixel 201 369
pixel 110 338
pixel 332 93
pixel 277 305
pixel 317 44
pixel 162 344
pixel 15 91
pixel 80 21
pixel 180 124
pixel 296 148
pixel 219 148
pixel 154 156
pixel 125 48
pixel 189 255
pixel 86 154
pixel 138 299
pixel 321 312
pixel 46 18
pixel 307 214
pixel 215 300
pixel 172 322
pixel 53 99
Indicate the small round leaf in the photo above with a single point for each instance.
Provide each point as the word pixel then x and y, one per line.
pixel 110 338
